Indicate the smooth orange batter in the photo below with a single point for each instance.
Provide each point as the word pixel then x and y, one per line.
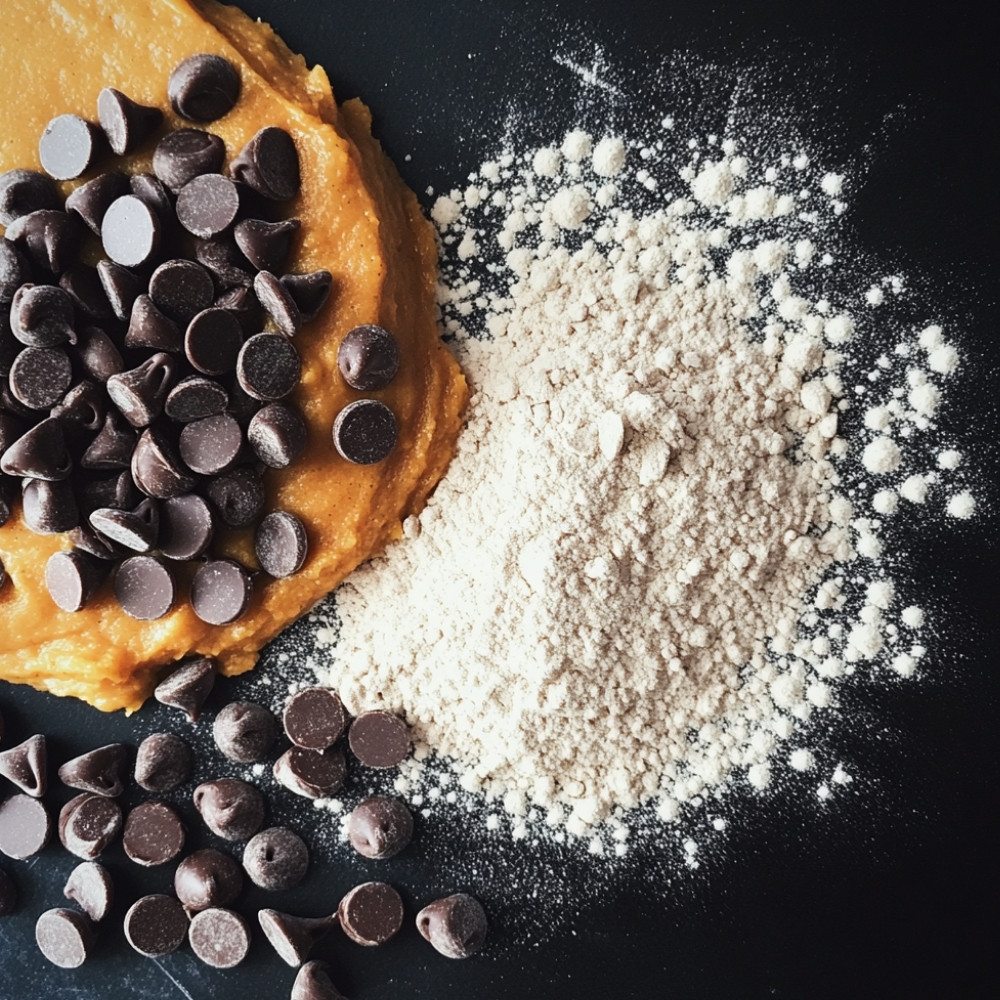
pixel 359 221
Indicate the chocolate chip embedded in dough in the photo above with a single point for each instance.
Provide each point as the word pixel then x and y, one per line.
pixel 157 468
pixel 245 731
pixel 269 164
pixel 121 287
pixel 368 357
pixel 231 808
pixel 181 289
pixel 237 496
pixel 125 122
pixel 88 823
pixel 153 834
pixel 163 762
pixel 207 205
pixel 313 983
pixel 204 87
pixel 184 154
pixel 276 858
pixel 101 771
pixel 380 827
pixel 49 508
pixel 189 685
pixel 281 544
pixel 144 587
pixel 131 232
pixel 278 303
pixel 221 590
pixel 365 432
pixel 25 191
pixel 72 577
pixel 187 525
pixel 266 244
pixel 379 739
pixel 371 913
pixel 68 146
pixel 25 826
pixel 212 341
pixel 309 773
pixel 207 878
pixel 26 764
pixel 140 392
pixel 194 398
pixel 90 886
pixel 314 718
pixel 211 445
pixel 293 937
pixel 50 239
pixel 113 444
pixel 8 894
pixel 277 434
pixel 309 291
pixel 91 201
pixel 268 367
pixel 156 925
pixel 455 926
pixel 42 316
pixel 149 328
pixel 64 937
pixel 219 937
pixel 40 376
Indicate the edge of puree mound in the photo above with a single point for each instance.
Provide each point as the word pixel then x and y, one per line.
pixel 359 221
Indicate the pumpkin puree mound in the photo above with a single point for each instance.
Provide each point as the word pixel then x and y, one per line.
pixel 359 222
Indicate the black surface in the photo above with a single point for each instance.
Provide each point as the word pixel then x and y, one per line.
pixel 889 891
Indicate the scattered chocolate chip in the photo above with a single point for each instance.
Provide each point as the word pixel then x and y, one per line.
pixel 144 587
pixel 207 205
pixel 278 303
pixel 163 762
pixel 68 146
pixel 268 366
pixel 64 937
pixel 204 87
pixel 184 154
pixel 231 808
pixel 40 453
pixel 237 496
pixel 91 201
pixel 189 685
pixel 245 731
pixel 49 508
pixel 23 192
pixel 207 878
pixel 309 291
pixel 277 434
pixel 89 886
pixel 140 392
pixel 25 826
pixel 379 739
pixel 26 765
pixel 313 983
pixel 266 244
pixel 14 272
pixel 157 468
pixel 194 398
pixel 314 718
pixel 149 189
pixel 88 823
pixel 220 938
pixel 220 591
pixel 121 287
pixel 156 925
pixel 186 527
pixel 281 544
pixel 213 340
pixel 153 834
pixel 269 164
pixel 149 328
pixel 101 771
pixel 276 858
pixel 365 431
pixel 181 289
pixel 455 925
pixel 72 577
pixel 51 239
pixel 125 122
pixel 40 376
pixel 8 894
pixel 293 937
pixel 380 827
pixel 131 232
pixel 136 530
pixel 309 773
pixel 113 444
pixel 42 316
pixel 371 913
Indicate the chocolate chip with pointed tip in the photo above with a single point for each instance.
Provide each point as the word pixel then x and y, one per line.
pixel 266 244
pixel 237 496
pixel 149 328
pixel 72 577
pixel 101 771
pixel 188 686
pixel 221 590
pixel 309 291
pixel 380 827
pixel 91 200
pixel 90 886
pixel 83 408
pixel 131 232
pixel 50 239
pixel 125 122
pixel 313 983
pixel 276 858
pixel 163 762
pixel 194 398
pixel 116 490
pixel 121 287
pixel 224 260
pixel 88 823
pixel 245 731
pixel 83 286
pixel 186 527
pixel 157 468
pixel 455 926
pixel 42 316
pixel 68 146
pixel 368 357
pixel 144 587
pixel 277 434
pixel 84 538
pixel 140 392
pixel 207 205
pixel 150 190
pixel 40 376
pixel 242 302
pixel 212 341
pixel 278 303
pixel 186 153
pixel 181 289
pixel 269 164
pixel 203 87
pixel 136 530
pixel 231 808
pixel 49 508
pixel 113 445
pixel 26 765
pixel 97 355
pixel 293 937
pixel 40 453
pixel 25 191
pixel 207 878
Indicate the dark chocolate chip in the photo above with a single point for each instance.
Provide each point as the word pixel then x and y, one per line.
pixel 278 303
pixel 140 392
pixel 455 926
pixel 91 201
pixel 268 367
pixel 365 431
pixel 163 762
pixel 40 453
pixel 88 823
pixel 277 434
pixel 194 398
pixel 293 937
pixel 220 591
pixel 211 445
pixel 8 493
pixel 379 739
pixel 125 122
pixel 220 938
pixel 269 164
pixel 49 508
pixel 276 858
pixel 14 271
pixel 25 826
pixel 266 244
pixel 207 878
pixel 204 87
pixel 237 496
pixel 213 340
pixel 117 490
pixel 368 357
pixel 313 983
pixel 97 354
pixel 86 540
pixel 157 468
pixel 40 376
pixel 241 404
pixel 231 808
pixel 25 191
pixel 186 526
pixel 314 718
pixel 26 764
pixel 11 428
pixel 121 286
pixel 309 291
pixel 245 731
pixel 136 530
pixel 131 232
pixel 101 771
pixel 181 289
pixel 379 827
pixel 113 445
pixel 189 685
pixel 64 937
pixel 149 328
pixel 223 258
pixel 82 409
pixel 149 189
pixel 8 894
pixel 281 544
pixel 153 834
pixel 156 925
pixel 144 587
pixel 371 913
pixel 68 146
pixel 244 305
pixel 42 316
pixel 310 774
pixel 72 577
pixel 207 205
pixel 51 239
pixel 89 886
pixel 186 153
pixel 83 286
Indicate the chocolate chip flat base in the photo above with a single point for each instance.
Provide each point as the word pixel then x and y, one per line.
pixel 357 221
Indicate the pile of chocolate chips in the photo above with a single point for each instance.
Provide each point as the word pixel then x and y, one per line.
pixel 142 400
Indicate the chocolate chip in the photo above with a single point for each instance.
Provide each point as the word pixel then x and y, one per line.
pixel 237 496
pixel 117 490
pixel 313 983
pixel 244 305
pixel 280 544
pixel 144 587
pixel 82 409
pixel 25 826
pixel 455 925
pixel 379 739
pixel 314 718
pixel 149 328
pixel 8 894
pixel 379 827
pixel 89 886
pixel 121 287
pixel 157 468
pixel 131 232
pixel 268 366
pixel 64 937
pixel 88 823
pixel 101 771
pixel 207 205
pixel 293 937
pixel 309 291
pixel 91 201
pixel 207 878
pixel 211 445
pixel 40 453
pixel 136 530
pixel 310 774
pixel 203 87
pixel 149 189
pixel 125 122
pixel 51 239
pixel 184 154
pixel 213 340
pixel 276 858
pixel 189 685
pixel 83 286
pixel 155 925
pixel 220 591
pixel 194 398
pixel 42 316
pixel 40 376
pixel 220 938
pixel 49 508
pixel 269 164
pixel 231 808
pixel 153 834
pixel 72 577
pixel 220 255
pixel 371 913
pixel 186 526
pixel 86 540
pixel 266 244
pixel 181 289
pixel 23 192
pixel 368 357
pixel 245 731
pixel 163 762
pixel 365 431
pixel 278 303
pixel 278 435
pixel 140 392
pixel 97 355
pixel 11 428
pixel 14 272
pixel 25 765
pixel 68 146
pixel 113 444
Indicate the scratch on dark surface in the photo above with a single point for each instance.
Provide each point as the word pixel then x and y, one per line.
pixel 162 969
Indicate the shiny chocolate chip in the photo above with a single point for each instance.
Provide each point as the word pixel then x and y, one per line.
pixel 49 508
pixel 313 983
pixel 281 544
pixel 245 731
pixel 40 453
pixel 72 577
pixel 113 444
pixel 65 937
pixel 51 239
pixel 125 122
pixel 23 192
pixel 101 771
pixel 26 765
pixel 90 886
pixel 268 367
pixel 136 530
pixel 237 496
pixel 266 244
pixel 293 937
pixel 277 434
pixel 188 686
pixel 278 303
pixel 310 774
pixel 309 291
pixel 269 164
pixel 194 398
pixel 368 357
pixel 131 232
pixel 211 445
pixel 25 826
pixel 144 587
pixel 380 827
pixel 203 87
pixel 153 834
pixel 140 392
pixel 213 340
pixel 156 925
pixel 121 287
pixel 91 201
pixel 314 718
pixel 163 762
pixel 276 858
pixel 186 526
pixel 88 823
pixel 231 808
pixel 365 431
pixel 371 913
pixel 186 153
pixel 68 146
pixel 157 468
pixel 181 288
pixel 40 376
pixel 379 739
pixel 207 878
pixel 219 937
pixel 455 926
pixel 220 591
pixel 42 316
pixel 207 205
pixel 148 328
